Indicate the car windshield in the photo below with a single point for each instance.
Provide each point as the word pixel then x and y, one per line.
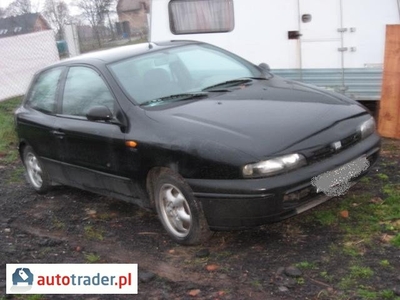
pixel 181 70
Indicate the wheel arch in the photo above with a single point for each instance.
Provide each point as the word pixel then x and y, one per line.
pixel 151 177
pixel 198 230
pixel 21 146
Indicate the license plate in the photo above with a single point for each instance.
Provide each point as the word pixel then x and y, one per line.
pixel 337 182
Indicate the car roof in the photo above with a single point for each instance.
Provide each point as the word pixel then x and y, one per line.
pixel 119 53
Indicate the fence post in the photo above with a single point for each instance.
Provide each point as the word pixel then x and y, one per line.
pixel 71 37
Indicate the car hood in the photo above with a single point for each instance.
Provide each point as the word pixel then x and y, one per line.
pixel 261 119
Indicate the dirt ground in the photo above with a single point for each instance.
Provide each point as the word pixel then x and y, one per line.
pixel 70 226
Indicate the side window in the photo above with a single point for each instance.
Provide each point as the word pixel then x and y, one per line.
pixel 43 93
pixel 84 88
pixel 201 16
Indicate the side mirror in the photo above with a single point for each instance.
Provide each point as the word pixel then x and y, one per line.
pixel 99 113
pixel 264 67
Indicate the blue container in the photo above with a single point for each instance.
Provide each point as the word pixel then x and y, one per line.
pixel 62 47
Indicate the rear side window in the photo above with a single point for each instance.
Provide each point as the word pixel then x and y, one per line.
pixel 44 91
pixel 201 16
pixel 84 88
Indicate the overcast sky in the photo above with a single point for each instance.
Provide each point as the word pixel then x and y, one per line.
pixel 39 3
pixel 5 3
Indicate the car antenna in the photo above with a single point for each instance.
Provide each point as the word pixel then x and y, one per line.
pixel 150 45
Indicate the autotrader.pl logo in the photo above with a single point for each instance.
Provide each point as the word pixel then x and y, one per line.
pixel 22 280
pixel 71 278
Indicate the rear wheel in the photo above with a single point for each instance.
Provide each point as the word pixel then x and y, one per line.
pixel 36 174
pixel 179 211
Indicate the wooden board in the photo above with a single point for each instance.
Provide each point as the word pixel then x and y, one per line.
pixel 389 113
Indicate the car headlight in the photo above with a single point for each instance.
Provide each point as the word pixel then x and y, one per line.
pixel 274 166
pixel 367 128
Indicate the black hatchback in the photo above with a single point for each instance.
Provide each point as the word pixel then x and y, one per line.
pixel 206 138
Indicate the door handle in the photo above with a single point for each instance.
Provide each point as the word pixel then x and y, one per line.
pixel 59 134
pixel 294 35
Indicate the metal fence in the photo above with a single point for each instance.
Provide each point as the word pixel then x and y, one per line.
pixel 21 56
pixel 99 37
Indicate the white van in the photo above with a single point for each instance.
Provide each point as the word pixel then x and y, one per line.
pixel 336 44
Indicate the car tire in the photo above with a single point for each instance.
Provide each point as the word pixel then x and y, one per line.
pixel 179 211
pixel 35 173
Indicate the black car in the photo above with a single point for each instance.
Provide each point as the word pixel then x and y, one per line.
pixel 206 138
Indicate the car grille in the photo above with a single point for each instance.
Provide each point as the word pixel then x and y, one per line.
pixel 329 150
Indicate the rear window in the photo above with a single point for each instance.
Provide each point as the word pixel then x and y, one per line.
pixel 201 16
pixel 43 94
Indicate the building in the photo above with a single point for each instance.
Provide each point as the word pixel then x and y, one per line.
pixel 135 12
pixel 22 24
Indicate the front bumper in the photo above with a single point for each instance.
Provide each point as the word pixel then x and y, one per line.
pixel 244 203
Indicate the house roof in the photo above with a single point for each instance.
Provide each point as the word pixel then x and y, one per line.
pixel 19 24
pixel 131 5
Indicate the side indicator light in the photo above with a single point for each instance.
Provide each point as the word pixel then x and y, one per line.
pixel 131 144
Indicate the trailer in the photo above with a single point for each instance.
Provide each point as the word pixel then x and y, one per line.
pixel 335 44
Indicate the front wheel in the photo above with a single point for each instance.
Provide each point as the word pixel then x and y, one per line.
pixel 36 174
pixel 179 211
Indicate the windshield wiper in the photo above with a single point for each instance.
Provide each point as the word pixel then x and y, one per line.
pixel 233 82
pixel 174 97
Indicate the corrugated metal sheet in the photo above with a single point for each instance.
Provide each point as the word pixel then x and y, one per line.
pixel 359 84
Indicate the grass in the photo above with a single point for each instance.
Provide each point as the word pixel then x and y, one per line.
pixel 358 272
pixel 353 249
pixel 366 294
pixel 365 216
pixel 384 263
pixel 365 180
pixel 368 220
pixel 306 265
pixel 28 297
pixel 326 276
pixel 382 176
pixel 58 224
pixel 106 216
pixel 396 241
pixel 17 175
pixel 387 294
pixel 325 218
pixel 223 254
pixel 8 138
pixel 92 233
pixel 92 258
pixel 256 283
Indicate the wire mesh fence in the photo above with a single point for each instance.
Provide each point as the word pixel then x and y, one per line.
pixel 21 56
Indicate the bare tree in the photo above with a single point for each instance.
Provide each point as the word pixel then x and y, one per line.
pixel 95 11
pixel 57 14
pixel 19 7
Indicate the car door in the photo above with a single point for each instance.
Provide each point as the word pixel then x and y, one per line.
pixel 36 121
pixel 94 152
